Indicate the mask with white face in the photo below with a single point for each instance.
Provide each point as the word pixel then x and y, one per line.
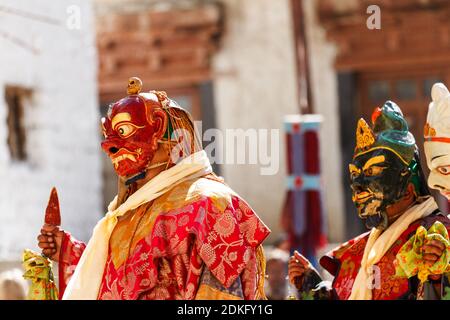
pixel 437 139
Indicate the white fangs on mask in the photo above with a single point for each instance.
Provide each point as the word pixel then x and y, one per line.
pixel 117 159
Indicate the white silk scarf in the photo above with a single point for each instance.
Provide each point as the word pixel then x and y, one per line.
pixel 379 243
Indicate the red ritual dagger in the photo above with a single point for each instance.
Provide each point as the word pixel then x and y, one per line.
pixel 52 213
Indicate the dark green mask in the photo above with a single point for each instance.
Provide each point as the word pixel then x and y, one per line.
pixel 383 165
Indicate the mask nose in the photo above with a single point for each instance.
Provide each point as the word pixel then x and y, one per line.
pixel 109 147
pixel 432 182
pixel 356 184
pixel 113 150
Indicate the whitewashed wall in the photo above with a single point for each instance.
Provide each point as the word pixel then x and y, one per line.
pixel 254 87
pixel 321 55
pixel 61 120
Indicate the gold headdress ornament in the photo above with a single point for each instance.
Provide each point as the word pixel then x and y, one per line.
pixel 364 135
pixel 134 86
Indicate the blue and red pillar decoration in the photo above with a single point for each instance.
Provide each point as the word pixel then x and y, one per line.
pixel 303 217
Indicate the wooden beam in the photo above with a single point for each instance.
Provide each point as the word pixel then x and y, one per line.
pixel 373 62
pixel 301 50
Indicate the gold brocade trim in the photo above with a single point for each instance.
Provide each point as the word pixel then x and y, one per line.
pixel 193 190
pixel 261 273
pixel 206 292
pixel 120 244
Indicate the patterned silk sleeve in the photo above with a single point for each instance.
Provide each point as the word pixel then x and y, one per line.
pixel 244 287
pixel 250 277
pixel 70 254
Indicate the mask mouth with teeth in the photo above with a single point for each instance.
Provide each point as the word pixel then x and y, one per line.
pixel 384 165
pixel 136 125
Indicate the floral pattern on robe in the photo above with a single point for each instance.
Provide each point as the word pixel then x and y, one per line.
pixel 199 238
pixel 344 263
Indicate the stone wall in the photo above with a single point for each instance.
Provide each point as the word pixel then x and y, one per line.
pixel 61 120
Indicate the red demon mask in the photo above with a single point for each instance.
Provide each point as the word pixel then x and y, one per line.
pixel 132 129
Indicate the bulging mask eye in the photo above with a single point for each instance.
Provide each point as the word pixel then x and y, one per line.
pixel 373 171
pixel 126 130
pixel 445 170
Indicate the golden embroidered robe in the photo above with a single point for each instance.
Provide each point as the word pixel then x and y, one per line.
pixel 200 240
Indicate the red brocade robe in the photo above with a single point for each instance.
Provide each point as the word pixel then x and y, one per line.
pixel 344 263
pixel 197 241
